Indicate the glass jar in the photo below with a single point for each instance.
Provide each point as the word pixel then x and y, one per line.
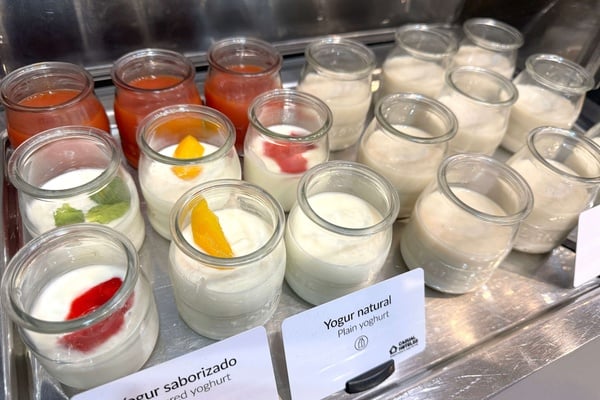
pixel 339 72
pixel 339 232
pixel 418 61
pixel 489 44
pixel 219 294
pixel 406 141
pixel 82 304
pixel 562 168
pixel 46 95
pixel 146 80
pixel 481 100
pixel 72 175
pixel 239 69
pixel 465 221
pixel 287 135
pixel 182 129
pixel 551 93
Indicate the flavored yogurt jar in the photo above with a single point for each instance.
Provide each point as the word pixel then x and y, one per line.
pixel 339 232
pixel 227 257
pixel 82 304
pixel 339 72
pixel 73 175
pixel 287 135
pixel 181 147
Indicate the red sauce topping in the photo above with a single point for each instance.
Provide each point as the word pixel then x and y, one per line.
pixel 154 82
pixel 289 156
pixel 89 338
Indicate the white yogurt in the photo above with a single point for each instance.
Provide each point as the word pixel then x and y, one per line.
pixel 220 302
pixel 123 353
pixel 409 166
pixel 323 265
pixel 40 213
pixel 537 107
pixel 265 172
pixel 480 129
pixel 478 57
pixel 411 75
pixel 457 251
pixel 556 207
pixel 349 102
pixel 161 188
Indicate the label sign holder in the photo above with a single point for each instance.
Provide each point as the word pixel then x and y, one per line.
pixel 352 343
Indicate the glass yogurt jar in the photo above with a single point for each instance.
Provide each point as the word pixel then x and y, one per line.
pixel 418 61
pixel 227 257
pixel 181 147
pixel 339 232
pixel 82 304
pixel 465 222
pixel 551 93
pixel 406 142
pixel 562 168
pixel 72 175
pixel 287 135
pixel 339 72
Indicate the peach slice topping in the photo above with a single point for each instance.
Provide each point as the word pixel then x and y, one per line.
pixel 208 233
pixel 189 147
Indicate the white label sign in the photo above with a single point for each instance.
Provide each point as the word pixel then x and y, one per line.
pixel 587 266
pixel 332 343
pixel 235 368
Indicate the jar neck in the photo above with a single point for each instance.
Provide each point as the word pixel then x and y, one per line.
pixel 244 57
pixel 165 70
pixel 31 158
pixel 92 235
pixel 559 74
pixel 50 77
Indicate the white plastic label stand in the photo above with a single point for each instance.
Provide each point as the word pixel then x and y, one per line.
pixel 328 347
pixel 239 367
pixel 587 263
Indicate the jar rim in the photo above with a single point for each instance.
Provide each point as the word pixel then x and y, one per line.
pixel 586 142
pixel 55 237
pixel 507 84
pixel 47 68
pixel 514 41
pixel 151 120
pixel 360 171
pixel 434 33
pixel 150 53
pixel 518 183
pixel 586 79
pixel 289 95
pixel 357 50
pixel 244 42
pixel 437 107
pixel 195 194
pixel 28 148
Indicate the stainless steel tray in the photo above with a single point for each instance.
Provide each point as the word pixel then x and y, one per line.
pixel 524 318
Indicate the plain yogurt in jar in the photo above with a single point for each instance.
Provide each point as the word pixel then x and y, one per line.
pixel 349 102
pixel 337 240
pixel 222 296
pixel 411 75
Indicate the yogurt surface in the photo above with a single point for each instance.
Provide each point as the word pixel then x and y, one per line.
pixel 411 75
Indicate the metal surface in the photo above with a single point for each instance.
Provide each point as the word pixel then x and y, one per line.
pixel 524 318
